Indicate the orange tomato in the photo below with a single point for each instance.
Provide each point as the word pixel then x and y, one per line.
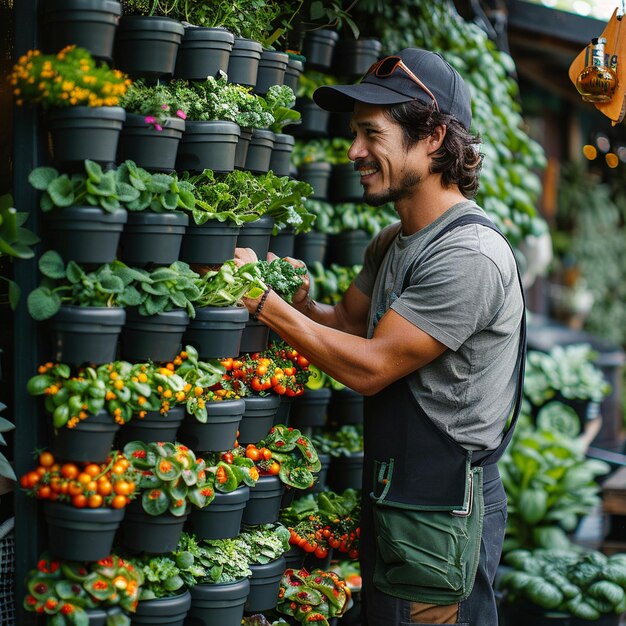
pixel 83 478
pixel 46 459
pixel 274 468
pixel 74 488
pixel 69 470
pixel 43 493
pixel 253 454
pixel 118 502
pixel 105 487
pixel 95 501
pixel 92 470
pixel 266 453
pixel 118 468
pixel 92 486
pixel 79 501
pixel 41 470
pixel 122 488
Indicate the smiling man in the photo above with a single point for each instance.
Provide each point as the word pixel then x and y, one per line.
pixel 432 332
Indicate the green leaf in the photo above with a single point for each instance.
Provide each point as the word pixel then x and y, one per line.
pixel 42 303
pixel 155 502
pixel 94 171
pixel 41 177
pixel 61 191
pixel 51 265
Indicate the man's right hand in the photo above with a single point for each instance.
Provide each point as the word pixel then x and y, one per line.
pixel 301 298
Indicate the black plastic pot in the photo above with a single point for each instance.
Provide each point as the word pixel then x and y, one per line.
pixel 294 558
pixel 345 472
pixel 272 68
pixel 219 432
pixel 210 243
pixel 345 184
pixel 86 334
pixel 208 145
pixel 152 427
pixel 256 235
pixel 347 248
pixel 318 176
pixel 153 337
pixel 258 418
pixel 284 410
pixel 345 407
pixel 318 47
pixel 280 161
pixel 152 149
pixel 243 144
pixel 90 440
pixel 216 332
pixel 80 534
pixel 86 234
pixel 313 122
pixel 263 507
pixel 203 52
pixel 97 617
pixel 213 605
pixel 243 64
pixel 169 611
pixel 309 409
pixel 259 154
pixel 264 585
pixel 255 337
pixel 282 244
pixel 353 57
pixel 153 238
pixel 295 67
pixel 311 247
pixel 146 45
pixel 88 24
pixel 154 534
pixel 312 562
pixel 81 132
pixel 322 476
pixel 221 519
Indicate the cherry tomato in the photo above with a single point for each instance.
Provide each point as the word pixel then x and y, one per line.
pixel 253 454
pixel 274 468
pixel 46 459
pixel 227 457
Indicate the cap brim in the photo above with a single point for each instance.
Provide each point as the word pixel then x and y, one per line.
pixel 341 98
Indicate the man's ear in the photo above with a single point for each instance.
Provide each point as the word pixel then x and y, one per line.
pixel 435 140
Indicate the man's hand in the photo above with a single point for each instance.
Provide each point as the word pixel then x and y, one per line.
pixel 301 298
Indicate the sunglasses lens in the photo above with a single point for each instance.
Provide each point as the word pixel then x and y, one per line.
pixel 387 66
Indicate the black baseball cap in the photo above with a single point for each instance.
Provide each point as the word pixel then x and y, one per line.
pixel 388 82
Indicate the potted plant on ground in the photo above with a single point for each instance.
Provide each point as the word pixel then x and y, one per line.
pixel 83 503
pixel 71 592
pixel 171 480
pixel 219 583
pixel 563 586
pixel 73 89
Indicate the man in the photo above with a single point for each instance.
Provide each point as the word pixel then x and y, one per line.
pixel 431 332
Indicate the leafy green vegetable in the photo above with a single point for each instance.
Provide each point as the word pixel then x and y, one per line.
pixel 227 285
pixel 282 277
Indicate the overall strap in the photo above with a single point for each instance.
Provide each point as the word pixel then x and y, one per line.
pixel 472 218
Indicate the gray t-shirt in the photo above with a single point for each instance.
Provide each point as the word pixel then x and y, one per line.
pixel 464 292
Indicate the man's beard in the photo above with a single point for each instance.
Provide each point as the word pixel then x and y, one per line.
pixel 406 187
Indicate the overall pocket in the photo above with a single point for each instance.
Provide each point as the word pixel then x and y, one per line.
pixel 424 554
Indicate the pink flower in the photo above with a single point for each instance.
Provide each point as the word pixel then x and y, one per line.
pixel 149 119
pixel 158 127
pixel 181 114
pixel 164 107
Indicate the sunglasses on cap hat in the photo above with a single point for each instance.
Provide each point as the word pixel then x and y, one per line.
pixel 387 66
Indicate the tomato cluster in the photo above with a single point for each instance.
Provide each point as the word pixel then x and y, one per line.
pixel 92 485
pixel 262 458
pixel 279 369
pixel 313 535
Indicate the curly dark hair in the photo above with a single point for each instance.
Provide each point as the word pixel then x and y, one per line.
pixel 458 160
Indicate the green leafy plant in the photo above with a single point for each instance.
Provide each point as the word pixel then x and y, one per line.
pixel 310 80
pixel 347 216
pixel 63 590
pixel 171 479
pixel 6 469
pixel 345 441
pixel 228 284
pixel 110 285
pixel 211 561
pixel 264 543
pixel 550 486
pixel 163 289
pixel 568 370
pixel 69 78
pixel 282 277
pixel 279 101
pixel 330 283
pixel 128 187
pixel 584 583
pixel 161 575
pixel 241 197
pixel 298 458
pixel 15 240
pixel 333 151
pixel 315 596
pixel 155 102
